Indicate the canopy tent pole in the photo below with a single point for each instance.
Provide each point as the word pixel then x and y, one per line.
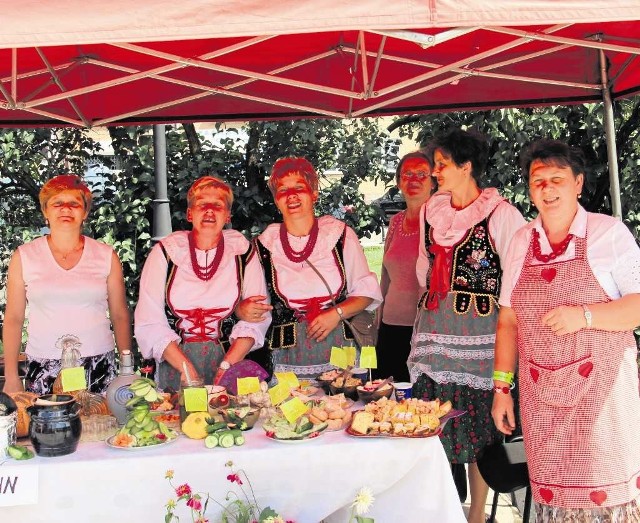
pixel 610 134
pixel 161 211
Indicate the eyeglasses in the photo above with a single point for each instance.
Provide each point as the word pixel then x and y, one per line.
pixel 417 175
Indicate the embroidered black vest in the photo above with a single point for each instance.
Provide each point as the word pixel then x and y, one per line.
pixel 225 324
pixel 282 331
pixel 475 270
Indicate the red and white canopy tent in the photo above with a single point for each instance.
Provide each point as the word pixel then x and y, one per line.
pixel 90 63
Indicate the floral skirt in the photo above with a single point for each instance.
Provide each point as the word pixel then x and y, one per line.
pixel 308 358
pixel 626 513
pixel 465 437
pixel 204 356
pixel 99 371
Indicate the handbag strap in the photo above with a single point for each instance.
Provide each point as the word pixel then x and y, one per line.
pixel 357 341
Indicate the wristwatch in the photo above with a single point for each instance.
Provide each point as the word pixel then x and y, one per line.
pixel 224 365
pixel 587 316
pixel 339 311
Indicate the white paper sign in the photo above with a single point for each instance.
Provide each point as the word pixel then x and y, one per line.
pixel 18 485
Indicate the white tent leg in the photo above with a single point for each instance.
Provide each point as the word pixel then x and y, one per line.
pixel 610 134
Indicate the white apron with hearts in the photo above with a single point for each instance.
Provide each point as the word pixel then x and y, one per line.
pixel 579 392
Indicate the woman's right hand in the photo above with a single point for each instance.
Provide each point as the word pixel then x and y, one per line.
pixel 253 309
pixel 503 414
pixel 13 384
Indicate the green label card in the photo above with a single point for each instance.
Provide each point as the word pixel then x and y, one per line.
pixel 288 378
pixel 195 399
pixel 73 378
pixel 248 385
pixel 293 409
pixel 338 357
pixel 278 393
pixel 351 355
pixel 368 358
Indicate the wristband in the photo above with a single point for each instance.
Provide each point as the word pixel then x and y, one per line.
pixel 506 377
pixel 503 390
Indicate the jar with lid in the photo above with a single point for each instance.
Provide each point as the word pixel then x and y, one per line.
pixel 188 384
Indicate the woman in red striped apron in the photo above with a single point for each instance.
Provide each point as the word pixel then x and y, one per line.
pixel 570 300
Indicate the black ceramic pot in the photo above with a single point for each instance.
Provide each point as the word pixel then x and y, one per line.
pixel 55 426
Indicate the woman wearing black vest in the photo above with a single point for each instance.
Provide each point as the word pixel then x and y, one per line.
pixel 191 284
pixel 464 234
pixel 306 324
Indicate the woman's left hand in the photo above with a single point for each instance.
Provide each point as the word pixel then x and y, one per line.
pixel 218 376
pixel 323 324
pixel 564 319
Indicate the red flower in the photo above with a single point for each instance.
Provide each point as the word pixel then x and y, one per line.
pixel 146 370
pixel 183 490
pixel 195 504
pixel 234 478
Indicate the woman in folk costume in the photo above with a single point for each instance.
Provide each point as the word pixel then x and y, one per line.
pixel 464 236
pixel 189 289
pixel 570 301
pixel 306 324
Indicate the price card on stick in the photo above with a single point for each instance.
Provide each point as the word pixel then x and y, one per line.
pixel 288 378
pixel 293 409
pixel 73 378
pixel 195 399
pixel 351 355
pixel 338 357
pixel 278 393
pixel 248 385
pixel 368 358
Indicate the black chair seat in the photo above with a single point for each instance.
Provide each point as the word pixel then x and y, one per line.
pixel 503 466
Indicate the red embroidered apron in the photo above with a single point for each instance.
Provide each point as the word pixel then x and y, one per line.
pixel 579 396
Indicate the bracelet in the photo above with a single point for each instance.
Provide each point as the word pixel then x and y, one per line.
pixel 588 317
pixel 506 377
pixel 503 390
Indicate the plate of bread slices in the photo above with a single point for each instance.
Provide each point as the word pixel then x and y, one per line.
pixel 411 418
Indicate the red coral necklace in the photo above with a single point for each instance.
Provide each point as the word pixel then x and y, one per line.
pixel 555 251
pixel 299 256
pixel 206 272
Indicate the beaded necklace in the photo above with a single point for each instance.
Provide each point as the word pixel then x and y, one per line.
pixel 205 273
pixel 299 256
pixel 555 252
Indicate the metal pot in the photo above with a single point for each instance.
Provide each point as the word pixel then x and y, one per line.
pixel 55 426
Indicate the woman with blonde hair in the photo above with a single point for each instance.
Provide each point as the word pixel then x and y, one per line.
pixel 189 289
pixel 69 282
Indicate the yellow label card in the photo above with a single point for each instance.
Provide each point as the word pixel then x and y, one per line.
pixel 288 378
pixel 338 357
pixel 368 358
pixel 351 355
pixel 278 393
pixel 73 378
pixel 248 385
pixel 195 399
pixel 293 409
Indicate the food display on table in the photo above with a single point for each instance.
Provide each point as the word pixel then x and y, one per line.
pixel 260 400
pixel 335 416
pixel 141 429
pixel 222 434
pixel 242 418
pixel 374 390
pixel 170 418
pixel 345 385
pixel 327 377
pixel 279 428
pixel 166 402
pixel 408 418
pixel 305 391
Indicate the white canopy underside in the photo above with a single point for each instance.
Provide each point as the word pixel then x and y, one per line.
pixel 41 23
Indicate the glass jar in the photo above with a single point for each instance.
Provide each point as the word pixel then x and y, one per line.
pixel 194 383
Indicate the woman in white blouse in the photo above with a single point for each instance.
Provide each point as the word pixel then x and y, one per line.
pixel 305 322
pixel 189 289
pixel 569 303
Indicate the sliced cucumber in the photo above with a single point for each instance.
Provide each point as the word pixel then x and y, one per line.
pixel 226 439
pixel 211 441
pixel 239 440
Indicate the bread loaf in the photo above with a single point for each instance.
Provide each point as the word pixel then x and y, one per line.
pixel 361 422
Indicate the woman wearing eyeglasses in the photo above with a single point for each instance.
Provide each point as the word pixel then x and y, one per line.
pixel 464 237
pixel 399 285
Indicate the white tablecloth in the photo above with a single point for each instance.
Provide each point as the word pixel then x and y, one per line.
pixel 306 482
